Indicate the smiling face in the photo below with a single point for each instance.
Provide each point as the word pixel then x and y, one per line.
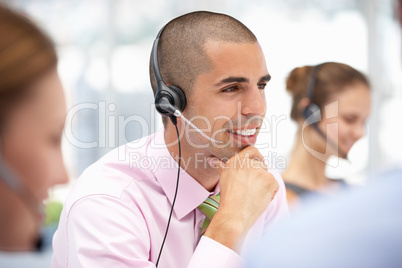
pixel 228 102
pixel 353 109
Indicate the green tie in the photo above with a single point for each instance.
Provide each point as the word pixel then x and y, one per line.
pixel 209 207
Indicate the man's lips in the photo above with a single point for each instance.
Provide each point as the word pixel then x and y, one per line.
pixel 245 135
pixel 250 130
pixel 244 132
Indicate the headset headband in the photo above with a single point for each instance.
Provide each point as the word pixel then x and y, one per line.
pixel 313 82
pixel 154 55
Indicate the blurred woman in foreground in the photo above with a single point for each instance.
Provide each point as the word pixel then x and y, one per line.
pixel 32 113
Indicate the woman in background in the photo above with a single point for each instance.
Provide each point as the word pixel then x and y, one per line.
pixel 32 113
pixel 331 103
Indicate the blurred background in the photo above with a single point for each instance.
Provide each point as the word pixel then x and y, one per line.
pixel 104 48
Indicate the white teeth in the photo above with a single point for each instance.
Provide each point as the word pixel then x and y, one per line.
pixel 245 132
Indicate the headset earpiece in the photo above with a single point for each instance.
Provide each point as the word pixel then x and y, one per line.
pixel 172 94
pixel 312 114
pixel 175 97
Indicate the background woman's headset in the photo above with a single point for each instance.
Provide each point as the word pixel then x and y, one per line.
pixel 312 112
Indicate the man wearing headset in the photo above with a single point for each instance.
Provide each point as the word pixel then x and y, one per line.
pixel 210 69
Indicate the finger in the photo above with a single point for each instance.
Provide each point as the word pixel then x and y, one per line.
pixel 255 163
pixel 252 153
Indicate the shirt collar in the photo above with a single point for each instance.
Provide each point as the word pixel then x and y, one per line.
pixel 190 193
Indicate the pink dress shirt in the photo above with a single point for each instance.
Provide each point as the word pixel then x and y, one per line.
pixel 117 211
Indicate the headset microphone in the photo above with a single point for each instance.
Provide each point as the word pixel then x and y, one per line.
pixel 166 106
pixel 313 116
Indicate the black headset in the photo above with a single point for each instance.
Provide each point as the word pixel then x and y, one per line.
pixel 168 99
pixel 172 95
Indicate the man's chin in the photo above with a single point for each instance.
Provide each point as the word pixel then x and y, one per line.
pixel 225 154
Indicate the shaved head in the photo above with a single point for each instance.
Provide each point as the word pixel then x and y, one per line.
pixel 181 50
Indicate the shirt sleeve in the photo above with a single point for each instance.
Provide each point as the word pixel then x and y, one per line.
pixel 210 253
pixel 102 231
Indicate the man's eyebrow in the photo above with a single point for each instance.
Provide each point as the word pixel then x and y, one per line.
pixel 235 79
pixel 265 78
pixel 232 79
